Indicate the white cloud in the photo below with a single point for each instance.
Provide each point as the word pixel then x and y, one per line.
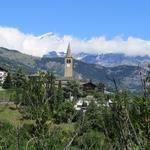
pixel 39 45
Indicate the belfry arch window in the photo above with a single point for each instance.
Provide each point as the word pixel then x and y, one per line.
pixel 68 61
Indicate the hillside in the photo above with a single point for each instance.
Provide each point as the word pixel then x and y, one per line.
pixel 126 76
pixel 12 60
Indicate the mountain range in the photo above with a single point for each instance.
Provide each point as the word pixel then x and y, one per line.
pixel 127 77
pixel 107 60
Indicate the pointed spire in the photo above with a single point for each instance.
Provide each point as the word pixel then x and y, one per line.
pixel 68 54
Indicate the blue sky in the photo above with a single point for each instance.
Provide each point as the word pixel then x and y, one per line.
pixel 79 18
pixel 93 26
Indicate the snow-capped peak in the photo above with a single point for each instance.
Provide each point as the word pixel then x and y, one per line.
pixel 46 35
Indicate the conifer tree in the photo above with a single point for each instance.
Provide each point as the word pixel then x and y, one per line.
pixel 8 82
pixel 19 79
pixel 19 82
pixel 60 95
pixel 50 90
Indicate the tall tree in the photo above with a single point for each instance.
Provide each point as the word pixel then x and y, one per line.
pixel 19 82
pixel 73 88
pixel 60 95
pixel 8 82
pixel 19 79
pixel 50 90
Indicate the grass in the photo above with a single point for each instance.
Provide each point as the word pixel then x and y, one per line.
pixel 68 127
pixel 10 114
pixel 5 95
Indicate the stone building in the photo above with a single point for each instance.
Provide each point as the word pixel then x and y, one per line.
pixel 68 72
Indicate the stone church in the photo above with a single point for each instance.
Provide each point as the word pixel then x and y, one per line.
pixel 68 72
pixel 68 68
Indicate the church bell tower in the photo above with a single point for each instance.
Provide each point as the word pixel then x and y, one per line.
pixel 68 64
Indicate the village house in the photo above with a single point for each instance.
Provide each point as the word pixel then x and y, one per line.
pixel 3 74
pixel 88 86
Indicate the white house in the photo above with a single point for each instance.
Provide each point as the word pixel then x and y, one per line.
pixel 3 74
pixel 83 103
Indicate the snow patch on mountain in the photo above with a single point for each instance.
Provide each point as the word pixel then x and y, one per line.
pixel 108 60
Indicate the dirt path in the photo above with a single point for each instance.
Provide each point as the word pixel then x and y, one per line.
pixel 2 103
